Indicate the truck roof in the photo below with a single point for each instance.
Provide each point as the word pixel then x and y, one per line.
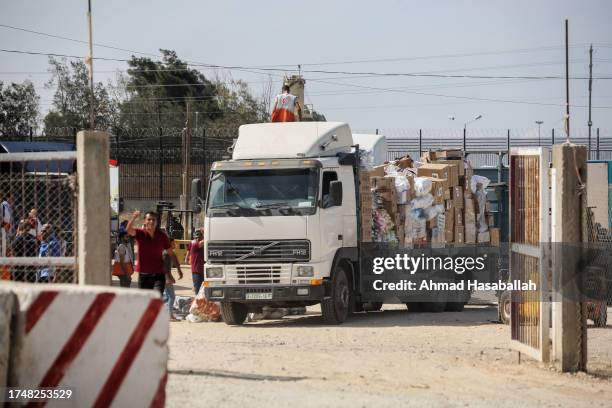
pixel 292 140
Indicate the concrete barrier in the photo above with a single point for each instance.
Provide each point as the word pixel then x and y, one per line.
pixel 7 302
pixel 109 345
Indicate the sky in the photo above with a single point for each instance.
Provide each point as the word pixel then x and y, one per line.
pixel 343 39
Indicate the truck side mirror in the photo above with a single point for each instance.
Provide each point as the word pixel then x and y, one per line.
pixel 335 193
pixel 196 193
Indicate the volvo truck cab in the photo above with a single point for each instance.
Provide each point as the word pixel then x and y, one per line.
pixel 282 221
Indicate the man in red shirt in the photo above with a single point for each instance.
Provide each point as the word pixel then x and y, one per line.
pixel 151 244
pixel 195 253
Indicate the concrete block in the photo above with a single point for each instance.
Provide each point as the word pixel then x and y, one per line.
pixel 109 345
pixel 7 303
pixel 93 208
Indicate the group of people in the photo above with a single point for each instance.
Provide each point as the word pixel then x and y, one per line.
pixel 28 238
pixel 155 258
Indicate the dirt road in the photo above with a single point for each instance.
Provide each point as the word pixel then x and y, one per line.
pixel 385 359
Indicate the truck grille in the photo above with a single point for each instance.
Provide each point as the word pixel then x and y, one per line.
pixel 258 274
pixel 259 251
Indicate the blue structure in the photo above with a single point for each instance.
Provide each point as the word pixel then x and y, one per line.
pixel 53 166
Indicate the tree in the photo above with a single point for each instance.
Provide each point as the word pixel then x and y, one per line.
pixel 18 109
pixel 158 93
pixel 72 98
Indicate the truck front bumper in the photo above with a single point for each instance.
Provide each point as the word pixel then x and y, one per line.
pixel 264 294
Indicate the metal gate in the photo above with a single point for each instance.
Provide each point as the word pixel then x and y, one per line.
pixel 529 241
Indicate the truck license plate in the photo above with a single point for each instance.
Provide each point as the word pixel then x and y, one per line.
pixel 259 296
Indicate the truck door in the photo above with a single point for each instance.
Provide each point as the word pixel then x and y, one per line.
pixel 332 217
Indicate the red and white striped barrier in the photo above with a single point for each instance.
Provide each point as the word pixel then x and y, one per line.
pixel 109 345
pixel 7 303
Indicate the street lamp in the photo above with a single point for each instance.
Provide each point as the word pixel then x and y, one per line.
pixel 539 123
pixel 465 127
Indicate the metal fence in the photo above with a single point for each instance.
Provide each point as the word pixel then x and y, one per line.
pixel 413 142
pixel 150 159
pixel 39 216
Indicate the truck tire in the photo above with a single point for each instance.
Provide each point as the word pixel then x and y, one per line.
pixel 415 307
pixel 434 307
pixel 455 306
pixel 234 314
pixel 372 306
pixel 335 308
pixel 503 307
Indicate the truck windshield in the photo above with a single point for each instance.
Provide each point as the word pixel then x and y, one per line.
pixel 263 192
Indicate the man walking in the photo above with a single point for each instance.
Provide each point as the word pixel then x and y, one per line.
pixel 284 107
pixel 195 256
pixel 151 244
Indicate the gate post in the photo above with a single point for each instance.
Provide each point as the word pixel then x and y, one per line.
pixel 93 208
pixel 568 203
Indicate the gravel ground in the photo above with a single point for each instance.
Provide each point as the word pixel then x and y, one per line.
pixel 383 359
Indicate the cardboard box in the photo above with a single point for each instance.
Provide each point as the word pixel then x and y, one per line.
pixel 438 187
pixel 382 183
pixel 447 193
pixel 449 154
pixel 401 235
pixel 440 171
pixel 469 211
pixel 388 195
pixel 449 224
pixel 484 237
pixel 470 233
pixel 378 171
pixel 458 163
pixel 459 234
pixel 459 217
pixel 494 234
pixel 457 196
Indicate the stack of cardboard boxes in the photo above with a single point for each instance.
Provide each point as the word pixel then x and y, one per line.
pixel 449 217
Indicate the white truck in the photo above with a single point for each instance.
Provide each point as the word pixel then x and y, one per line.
pixel 282 222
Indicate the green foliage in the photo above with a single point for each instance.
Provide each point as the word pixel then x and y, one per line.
pixel 18 109
pixel 153 94
pixel 72 98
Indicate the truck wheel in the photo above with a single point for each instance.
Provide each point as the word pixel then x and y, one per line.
pixel 234 314
pixel 335 308
pixel 415 307
pixel 372 306
pixel 434 307
pixel 503 307
pixel 454 306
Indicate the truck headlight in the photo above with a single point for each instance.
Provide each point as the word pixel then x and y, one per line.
pixel 305 271
pixel 214 272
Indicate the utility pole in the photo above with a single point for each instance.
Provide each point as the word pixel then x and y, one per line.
pixel 185 197
pixel 90 63
pixel 567 106
pixel 590 123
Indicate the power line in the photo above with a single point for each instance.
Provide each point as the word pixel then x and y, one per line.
pixel 465 97
pixel 75 40
pixel 269 69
